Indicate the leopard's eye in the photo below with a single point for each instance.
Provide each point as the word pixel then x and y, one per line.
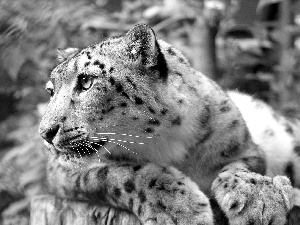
pixel 50 88
pixel 85 82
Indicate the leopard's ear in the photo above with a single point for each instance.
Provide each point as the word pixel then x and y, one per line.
pixel 142 45
pixel 63 54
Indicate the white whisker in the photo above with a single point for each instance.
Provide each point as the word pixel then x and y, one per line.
pixel 90 146
pixel 129 135
pixel 116 144
pixel 98 138
pixel 123 146
pixel 102 146
pixel 84 146
pixel 131 142
pixel 79 146
pixel 77 151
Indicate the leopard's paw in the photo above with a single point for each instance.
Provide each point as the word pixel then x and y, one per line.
pixel 172 198
pixel 250 198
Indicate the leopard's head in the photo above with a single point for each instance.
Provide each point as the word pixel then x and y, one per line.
pixel 118 97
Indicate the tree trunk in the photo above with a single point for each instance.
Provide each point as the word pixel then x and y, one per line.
pixel 204 48
pixel 50 210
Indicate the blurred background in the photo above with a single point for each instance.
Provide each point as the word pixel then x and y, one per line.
pixel 252 46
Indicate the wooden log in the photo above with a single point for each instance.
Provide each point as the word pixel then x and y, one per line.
pixel 50 210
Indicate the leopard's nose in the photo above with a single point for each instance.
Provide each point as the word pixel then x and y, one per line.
pixel 49 133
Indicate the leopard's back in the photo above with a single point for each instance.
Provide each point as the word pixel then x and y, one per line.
pixel 276 135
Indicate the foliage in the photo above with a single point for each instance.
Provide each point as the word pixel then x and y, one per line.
pixel 30 32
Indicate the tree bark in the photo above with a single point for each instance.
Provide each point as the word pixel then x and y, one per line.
pixel 50 210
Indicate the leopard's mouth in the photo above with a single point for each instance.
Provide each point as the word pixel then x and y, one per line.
pixel 77 149
pixel 85 148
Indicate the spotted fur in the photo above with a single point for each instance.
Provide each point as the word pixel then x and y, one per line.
pixel 128 111
pixel 278 136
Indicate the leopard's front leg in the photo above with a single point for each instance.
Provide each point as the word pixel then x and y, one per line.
pixel 156 195
pixel 250 198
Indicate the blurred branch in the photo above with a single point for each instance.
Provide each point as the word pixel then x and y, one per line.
pixel 167 22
